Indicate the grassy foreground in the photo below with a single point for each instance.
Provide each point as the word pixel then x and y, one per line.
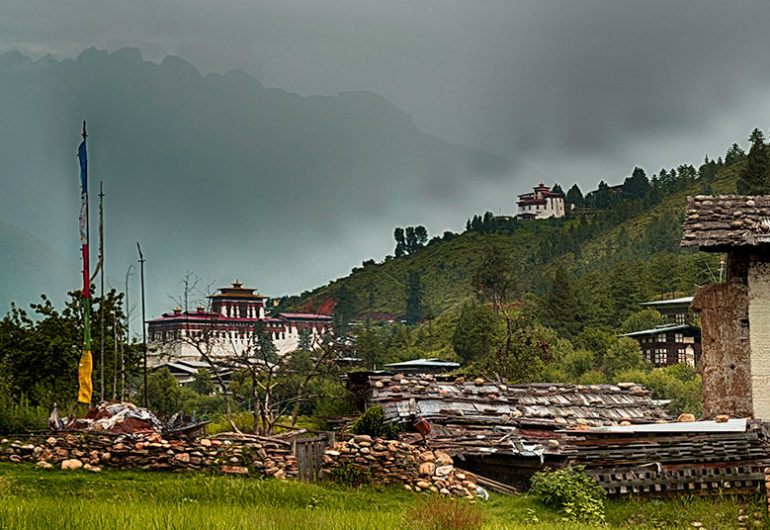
pixel 32 498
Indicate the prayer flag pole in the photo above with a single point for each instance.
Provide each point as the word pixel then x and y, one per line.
pixel 85 366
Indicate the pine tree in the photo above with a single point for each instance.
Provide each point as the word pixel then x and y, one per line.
pixel 561 306
pixel 398 235
pixel 636 186
pixel 754 179
pixel 575 196
pixel 414 307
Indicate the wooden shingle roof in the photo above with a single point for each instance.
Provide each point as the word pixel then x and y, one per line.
pixel 727 221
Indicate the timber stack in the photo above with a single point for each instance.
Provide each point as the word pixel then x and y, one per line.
pixel 393 462
pixel 695 458
pixel 258 457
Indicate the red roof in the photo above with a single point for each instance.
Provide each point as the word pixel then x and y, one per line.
pixel 305 316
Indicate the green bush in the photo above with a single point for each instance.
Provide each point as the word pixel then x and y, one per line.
pixel 679 382
pixel 372 422
pixel 573 492
pixel 18 417
pixel 350 475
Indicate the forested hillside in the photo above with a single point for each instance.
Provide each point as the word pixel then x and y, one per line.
pixel 622 249
pixel 541 300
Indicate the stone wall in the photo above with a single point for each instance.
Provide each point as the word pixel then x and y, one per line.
pixel 392 462
pixel 91 451
pixel 725 362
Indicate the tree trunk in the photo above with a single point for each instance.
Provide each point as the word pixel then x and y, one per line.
pixel 257 404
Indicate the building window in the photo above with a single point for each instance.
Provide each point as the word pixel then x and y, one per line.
pixel 659 357
pixel 679 337
pixel 681 355
pixel 661 337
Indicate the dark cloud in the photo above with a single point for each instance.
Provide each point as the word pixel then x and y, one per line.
pixel 579 91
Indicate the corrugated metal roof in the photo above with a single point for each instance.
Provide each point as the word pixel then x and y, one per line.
pixel 653 331
pixel 428 363
pixel 731 425
pixel 673 301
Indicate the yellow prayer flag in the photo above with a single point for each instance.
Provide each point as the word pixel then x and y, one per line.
pixel 84 377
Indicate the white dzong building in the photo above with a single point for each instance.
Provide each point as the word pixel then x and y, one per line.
pixel 227 328
pixel 542 203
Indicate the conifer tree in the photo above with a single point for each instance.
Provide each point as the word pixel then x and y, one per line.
pixel 754 179
pixel 575 196
pixel 398 235
pixel 414 307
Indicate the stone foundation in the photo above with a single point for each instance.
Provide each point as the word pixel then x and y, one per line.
pixel 93 452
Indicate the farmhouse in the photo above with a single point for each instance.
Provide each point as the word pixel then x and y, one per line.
pixel 669 344
pixel 228 327
pixel 735 315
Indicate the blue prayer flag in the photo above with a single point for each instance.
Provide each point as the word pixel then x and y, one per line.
pixel 83 164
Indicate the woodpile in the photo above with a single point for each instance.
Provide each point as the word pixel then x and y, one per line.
pixel 697 458
pixel 258 457
pixel 394 462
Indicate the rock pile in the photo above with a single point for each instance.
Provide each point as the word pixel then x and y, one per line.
pixel 726 220
pixel 394 462
pixel 72 451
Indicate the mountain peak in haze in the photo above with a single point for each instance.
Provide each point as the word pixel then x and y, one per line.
pixel 217 174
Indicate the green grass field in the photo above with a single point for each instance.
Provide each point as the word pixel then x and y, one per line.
pixel 32 498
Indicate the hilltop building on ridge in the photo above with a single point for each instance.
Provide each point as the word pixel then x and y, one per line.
pixel 228 327
pixel 542 203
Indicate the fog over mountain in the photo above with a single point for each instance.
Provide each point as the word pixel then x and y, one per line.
pixel 219 175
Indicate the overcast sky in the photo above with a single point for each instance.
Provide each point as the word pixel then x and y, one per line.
pixel 577 90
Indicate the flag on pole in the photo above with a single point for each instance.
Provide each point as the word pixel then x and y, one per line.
pixel 85 366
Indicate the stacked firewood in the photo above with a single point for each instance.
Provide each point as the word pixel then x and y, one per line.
pixel 254 456
pixel 664 463
pixel 394 462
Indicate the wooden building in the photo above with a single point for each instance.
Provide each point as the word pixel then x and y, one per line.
pixel 669 344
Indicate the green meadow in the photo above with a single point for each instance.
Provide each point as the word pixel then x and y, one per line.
pixel 32 498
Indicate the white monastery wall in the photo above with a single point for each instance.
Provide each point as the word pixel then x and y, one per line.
pixel 759 335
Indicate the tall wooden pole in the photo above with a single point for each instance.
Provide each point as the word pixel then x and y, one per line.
pixel 144 332
pixel 101 279
pixel 126 340
pixel 115 357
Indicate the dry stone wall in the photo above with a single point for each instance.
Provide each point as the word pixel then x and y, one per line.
pixel 93 452
pixel 394 462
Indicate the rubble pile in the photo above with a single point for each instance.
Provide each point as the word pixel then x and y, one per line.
pixel 394 462
pixel 259 457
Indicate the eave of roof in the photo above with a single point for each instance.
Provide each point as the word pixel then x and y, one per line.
pixel 656 331
pixel 433 363
pixel 673 301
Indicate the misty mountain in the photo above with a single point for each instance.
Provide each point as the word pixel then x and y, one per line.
pixel 218 174
pixel 30 268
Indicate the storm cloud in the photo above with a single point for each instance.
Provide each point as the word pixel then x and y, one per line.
pixel 574 91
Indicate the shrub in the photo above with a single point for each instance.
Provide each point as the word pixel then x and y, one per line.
pixel 439 513
pixel 372 422
pixel 573 492
pixel 350 475
pixel 16 418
